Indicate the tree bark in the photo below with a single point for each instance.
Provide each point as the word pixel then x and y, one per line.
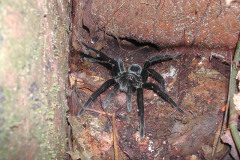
pixel 34 40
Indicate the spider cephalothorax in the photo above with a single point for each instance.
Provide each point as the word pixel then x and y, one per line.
pixel 130 81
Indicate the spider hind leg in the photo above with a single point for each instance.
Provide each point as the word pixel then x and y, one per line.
pixel 99 54
pixel 160 57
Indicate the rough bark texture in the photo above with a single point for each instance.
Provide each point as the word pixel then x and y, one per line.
pixel 203 24
pixel 33 48
pixel 191 81
pixel 134 31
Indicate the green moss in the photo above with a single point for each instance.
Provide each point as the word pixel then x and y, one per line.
pixel 25 59
pixel 9 120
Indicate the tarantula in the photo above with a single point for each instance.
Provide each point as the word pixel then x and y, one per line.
pixel 130 81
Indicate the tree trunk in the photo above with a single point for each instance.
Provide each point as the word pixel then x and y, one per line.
pixel 34 40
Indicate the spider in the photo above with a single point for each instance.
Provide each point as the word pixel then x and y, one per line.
pixel 129 81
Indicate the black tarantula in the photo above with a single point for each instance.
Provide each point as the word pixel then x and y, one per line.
pixel 130 81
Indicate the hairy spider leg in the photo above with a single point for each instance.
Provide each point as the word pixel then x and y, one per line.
pixel 101 62
pixel 103 87
pixel 111 95
pixel 150 86
pixel 159 57
pixel 157 90
pixel 102 58
pixel 146 70
pixel 157 77
pixel 129 90
pixel 100 54
pixel 141 111
pixel 109 66
pixel 121 66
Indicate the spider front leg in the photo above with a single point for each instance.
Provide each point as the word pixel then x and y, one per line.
pixel 157 90
pixel 157 77
pixel 111 95
pixel 103 87
pixel 141 111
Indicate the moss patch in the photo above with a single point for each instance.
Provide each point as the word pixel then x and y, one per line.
pixel 33 47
